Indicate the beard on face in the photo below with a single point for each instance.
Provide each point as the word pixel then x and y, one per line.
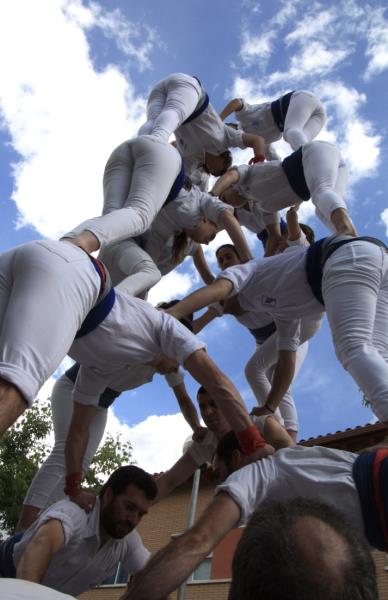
pixel 114 528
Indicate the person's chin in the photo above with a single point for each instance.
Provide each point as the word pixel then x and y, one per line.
pixel 121 532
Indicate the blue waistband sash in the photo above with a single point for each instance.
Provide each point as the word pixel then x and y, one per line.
pixel 97 314
pixel 108 395
pixel 279 109
pixel 317 255
pixel 7 567
pixel 263 333
pixel 293 168
pixel 370 473
pixel 176 186
pixel 198 111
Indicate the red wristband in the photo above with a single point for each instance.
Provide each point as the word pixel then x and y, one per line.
pixel 250 439
pixel 73 484
pixel 256 159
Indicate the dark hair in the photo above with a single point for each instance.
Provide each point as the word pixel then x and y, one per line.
pixel 227 157
pixel 230 246
pixel 201 390
pixel 186 321
pixel 180 243
pixel 309 233
pixel 226 446
pixel 124 476
pixel 270 561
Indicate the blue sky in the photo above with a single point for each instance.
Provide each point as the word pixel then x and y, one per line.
pixel 75 85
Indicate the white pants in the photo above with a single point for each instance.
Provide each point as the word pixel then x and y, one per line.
pixel 130 266
pixel 46 290
pixel 326 177
pixel 259 372
pixel 304 120
pixel 138 177
pixel 171 101
pixel 48 483
pixel 355 291
pixel 17 589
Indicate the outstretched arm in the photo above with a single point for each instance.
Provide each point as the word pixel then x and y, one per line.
pixel 207 317
pixel 48 539
pixel 293 227
pixel 202 267
pixel 256 142
pixel 186 405
pixel 234 105
pixel 274 237
pixel 233 227
pixel 216 291
pixel 174 563
pixel 180 472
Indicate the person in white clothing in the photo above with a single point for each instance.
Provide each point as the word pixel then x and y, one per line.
pixel 140 176
pixel 342 480
pixel 200 453
pixel 346 276
pixel 170 102
pixel 297 116
pixel 38 282
pixel 71 551
pixel 48 483
pixel 17 589
pixel 135 333
pixel 193 216
pixel 316 170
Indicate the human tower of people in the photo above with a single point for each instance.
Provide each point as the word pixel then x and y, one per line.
pixel 57 299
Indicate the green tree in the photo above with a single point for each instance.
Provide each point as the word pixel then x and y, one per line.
pixel 25 446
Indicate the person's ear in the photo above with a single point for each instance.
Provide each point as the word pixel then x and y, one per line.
pixel 107 496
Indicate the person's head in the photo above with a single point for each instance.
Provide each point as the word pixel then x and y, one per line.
pixel 302 549
pixel 309 232
pixel 125 498
pixel 211 414
pixel 204 232
pixel 228 457
pixel 283 243
pixel 227 256
pixel 218 164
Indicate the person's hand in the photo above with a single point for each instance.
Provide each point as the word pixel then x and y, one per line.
pixel 257 159
pixel 260 453
pixel 260 411
pixel 84 500
pixel 199 434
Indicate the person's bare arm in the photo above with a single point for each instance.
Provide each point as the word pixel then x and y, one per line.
pixel 186 405
pixel 202 267
pixel 236 234
pixel 174 563
pixel 48 539
pixel 180 472
pixel 293 227
pixel 274 237
pixel 216 291
pixel 256 142
pixel 225 181
pixel 207 317
pixel 233 106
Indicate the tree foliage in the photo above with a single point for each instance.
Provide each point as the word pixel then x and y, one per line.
pixel 25 446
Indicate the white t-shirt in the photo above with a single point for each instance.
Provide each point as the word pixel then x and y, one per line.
pixel 316 472
pixel 186 211
pixel 255 219
pixel 301 241
pixel 206 133
pixel 82 562
pixel 266 184
pixel 134 333
pixel 278 286
pixel 18 589
pixel 258 119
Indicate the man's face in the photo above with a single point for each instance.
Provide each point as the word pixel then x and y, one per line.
pixel 226 257
pixel 210 412
pixel 121 514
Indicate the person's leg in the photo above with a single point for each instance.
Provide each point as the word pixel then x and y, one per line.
pixel 304 120
pixel 53 287
pixel 355 291
pixel 135 189
pixel 170 103
pixel 130 267
pixel 47 486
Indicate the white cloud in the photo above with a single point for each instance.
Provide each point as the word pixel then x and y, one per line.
pixel 256 48
pixel 157 442
pixel 377 49
pixel 311 26
pixel 384 218
pixel 173 285
pixel 64 117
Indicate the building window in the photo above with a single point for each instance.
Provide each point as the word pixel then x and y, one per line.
pixel 120 577
pixel 203 571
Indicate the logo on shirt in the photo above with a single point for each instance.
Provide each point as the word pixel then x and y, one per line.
pixel 268 301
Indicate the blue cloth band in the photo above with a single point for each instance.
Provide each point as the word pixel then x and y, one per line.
pixel 263 235
pixel 97 314
pixel 263 333
pixel 108 395
pixel 293 168
pixel 7 567
pixel 198 111
pixel 176 186
pixel 279 109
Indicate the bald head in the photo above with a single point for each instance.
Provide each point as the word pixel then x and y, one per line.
pixel 299 550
